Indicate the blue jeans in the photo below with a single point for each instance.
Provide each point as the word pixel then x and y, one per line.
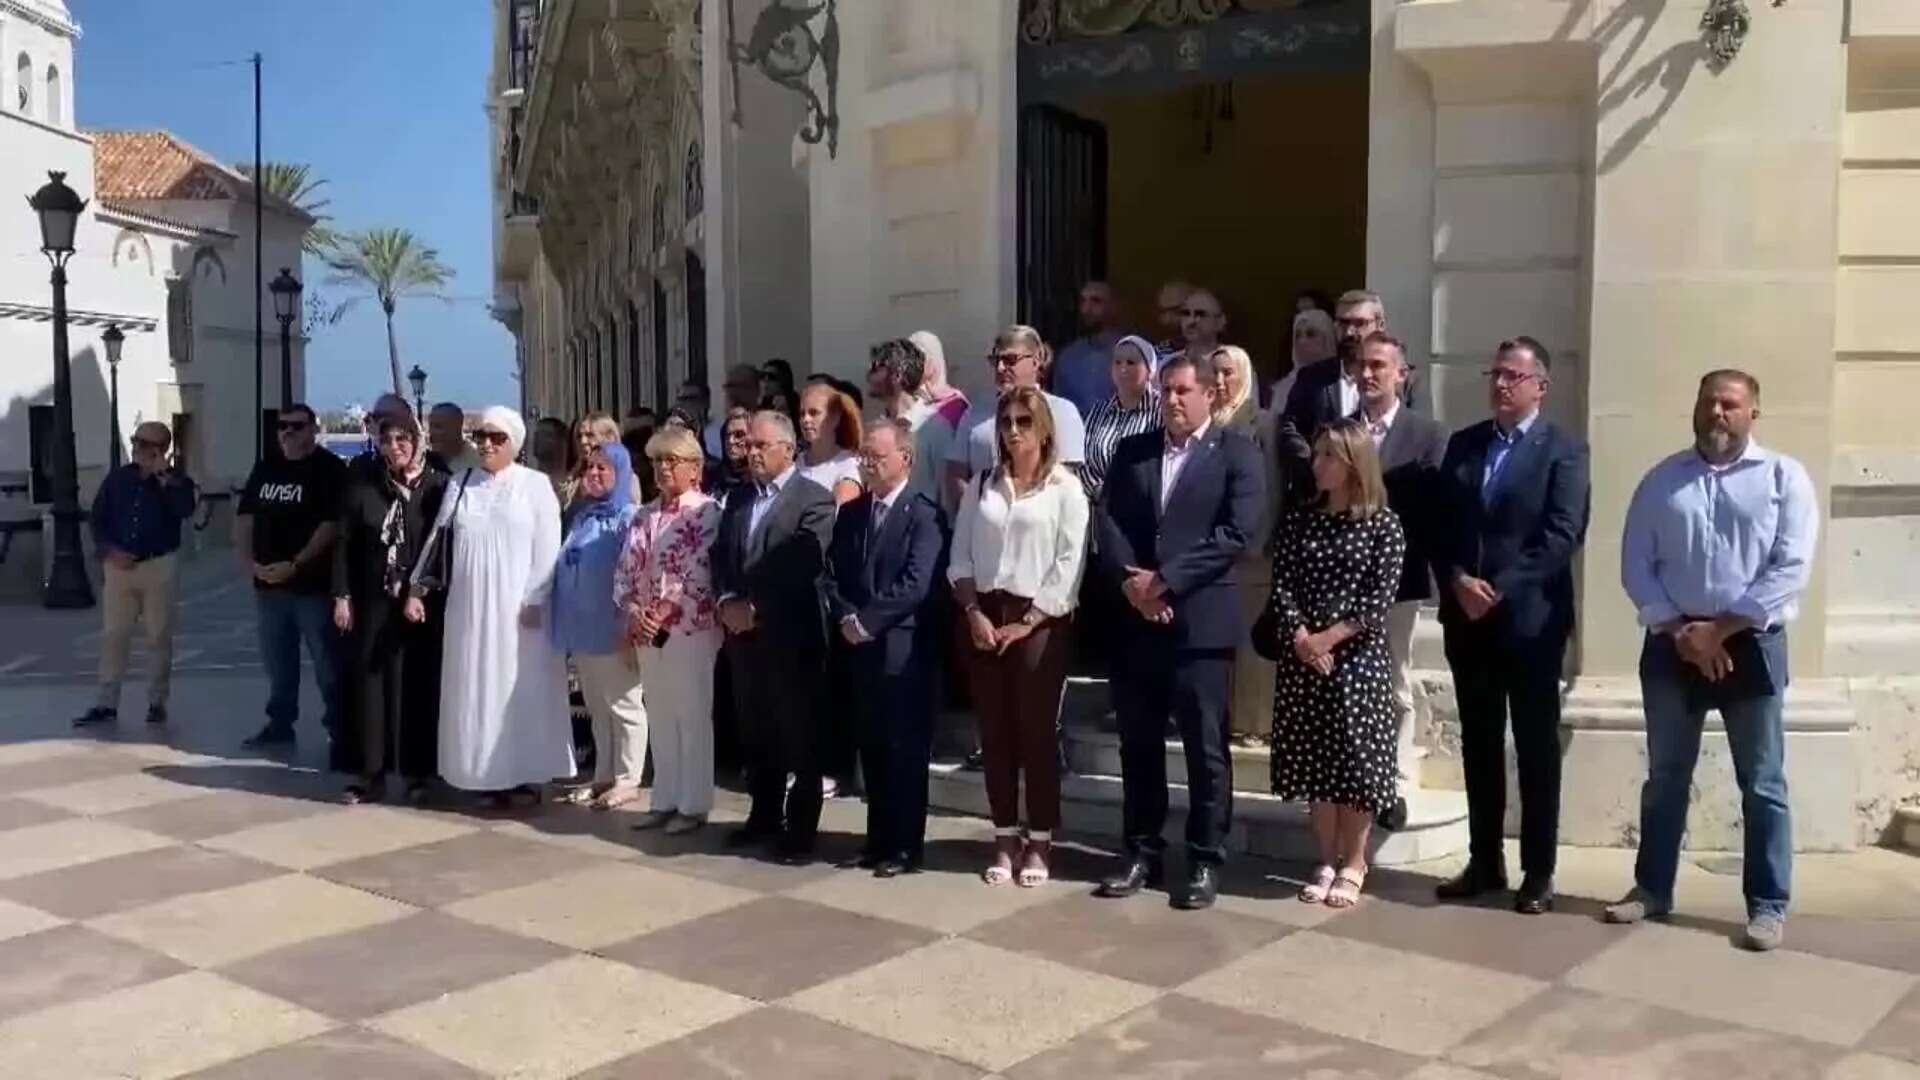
pixel 286 620
pixel 1677 698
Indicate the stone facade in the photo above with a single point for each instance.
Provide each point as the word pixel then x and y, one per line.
pixel 1570 169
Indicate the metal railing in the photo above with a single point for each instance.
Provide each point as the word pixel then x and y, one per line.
pixel 523 39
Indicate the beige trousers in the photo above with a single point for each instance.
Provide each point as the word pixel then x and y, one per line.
pixel 611 686
pixel 127 597
pixel 1401 618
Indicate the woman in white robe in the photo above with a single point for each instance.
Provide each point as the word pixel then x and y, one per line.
pixel 504 727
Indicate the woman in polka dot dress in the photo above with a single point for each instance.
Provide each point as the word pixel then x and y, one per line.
pixel 1336 567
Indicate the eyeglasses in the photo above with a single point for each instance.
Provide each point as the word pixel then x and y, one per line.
pixel 1014 422
pixel 292 425
pixel 671 460
pixel 397 437
pixel 490 438
pixel 1508 376
pixel 1007 359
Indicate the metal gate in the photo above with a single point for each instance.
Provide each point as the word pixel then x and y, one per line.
pixel 1063 217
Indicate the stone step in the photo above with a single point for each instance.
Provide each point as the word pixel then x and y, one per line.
pixel 1906 827
pixel 1092 752
pixel 1263 825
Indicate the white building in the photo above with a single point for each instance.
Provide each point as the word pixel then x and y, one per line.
pixel 164 251
pixel 686 184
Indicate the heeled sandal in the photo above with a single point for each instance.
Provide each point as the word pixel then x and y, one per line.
pixel 1034 871
pixel 1346 890
pixel 1316 889
pixel 1000 871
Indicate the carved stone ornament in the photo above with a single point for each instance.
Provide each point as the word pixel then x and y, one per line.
pixel 1045 21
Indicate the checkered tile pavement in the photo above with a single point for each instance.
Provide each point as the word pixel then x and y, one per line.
pixel 166 914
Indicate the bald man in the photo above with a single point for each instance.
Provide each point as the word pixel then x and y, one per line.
pixel 136 531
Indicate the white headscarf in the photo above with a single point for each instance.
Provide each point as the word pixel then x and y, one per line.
pixel 1146 349
pixel 934 381
pixel 501 418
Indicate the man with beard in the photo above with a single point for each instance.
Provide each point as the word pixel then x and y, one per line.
pixel 1511 511
pixel 1083 372
pixel 1325 391
pixel 1718 547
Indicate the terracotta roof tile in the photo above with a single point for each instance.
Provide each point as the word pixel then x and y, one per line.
pixel 134 165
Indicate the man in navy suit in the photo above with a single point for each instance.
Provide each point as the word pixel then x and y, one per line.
pixel 1179 509
pixel 886 554
pixel 1513 510
pixel 1326 390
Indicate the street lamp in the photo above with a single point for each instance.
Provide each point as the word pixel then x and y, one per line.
pixel 286 305
pixel 114 340
pixel 67 584
pixel 418 378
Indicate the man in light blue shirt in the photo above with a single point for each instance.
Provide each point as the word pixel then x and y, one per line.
pixel 1719 545
pixel 1083 373
pixel 1019 358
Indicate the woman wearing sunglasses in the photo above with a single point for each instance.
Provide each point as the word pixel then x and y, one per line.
pixel 1018 548
pixel 503 687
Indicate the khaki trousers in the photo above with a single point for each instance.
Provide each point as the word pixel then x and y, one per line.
pixel 144 593
pixel 1400 621
pixel 610 684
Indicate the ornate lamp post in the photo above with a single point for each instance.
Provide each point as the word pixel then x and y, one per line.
pixel 67 584
pixel 418 378
pixel 286 304
pixel 114 340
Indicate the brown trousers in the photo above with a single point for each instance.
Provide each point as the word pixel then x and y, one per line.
pixel 1016 697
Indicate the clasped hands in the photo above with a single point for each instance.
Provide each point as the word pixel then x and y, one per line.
pixel 1314 650
pixel 995 639
pixel 1703 643
pixel 1476 596
pixel 1147 592
pixel 737 615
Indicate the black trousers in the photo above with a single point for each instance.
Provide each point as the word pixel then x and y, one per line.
pixel 893 714
pixel 1497 680
pixel 1150 684
pixel 775 694
pixel 390 694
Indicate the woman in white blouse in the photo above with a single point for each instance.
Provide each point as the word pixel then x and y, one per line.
pixel 1019 544
pixel 830 429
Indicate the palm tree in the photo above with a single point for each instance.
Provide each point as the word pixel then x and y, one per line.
pixel 386 264
pixel 296 184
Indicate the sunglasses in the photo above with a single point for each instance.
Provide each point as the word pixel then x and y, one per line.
pixel 1012 422
pixel 292 425
pixel 490 438
pixel 1199 313
pixel 149 444
pixel 1007 359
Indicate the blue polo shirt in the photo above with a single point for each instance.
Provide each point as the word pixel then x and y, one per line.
pixel 140 514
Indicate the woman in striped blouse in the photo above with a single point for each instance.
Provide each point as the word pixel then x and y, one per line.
pixel 1134 408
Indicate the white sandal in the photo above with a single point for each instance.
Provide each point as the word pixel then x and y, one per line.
pixel 1316 889
pixel 1346 890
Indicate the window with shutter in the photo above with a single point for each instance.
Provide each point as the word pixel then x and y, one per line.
pixel 180 320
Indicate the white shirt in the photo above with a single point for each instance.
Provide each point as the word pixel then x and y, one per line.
pixel 844 465
pixel 1379 428
pixel 1174 458
pixel 1349 394
pixel 1033 546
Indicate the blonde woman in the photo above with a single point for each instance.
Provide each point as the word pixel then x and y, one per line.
pixel 1235 405
pixel 1019 546
pixel 1336 569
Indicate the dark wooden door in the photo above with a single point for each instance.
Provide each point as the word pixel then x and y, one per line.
pixel 1063 217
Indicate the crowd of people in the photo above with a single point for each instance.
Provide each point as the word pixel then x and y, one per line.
pixel 789 585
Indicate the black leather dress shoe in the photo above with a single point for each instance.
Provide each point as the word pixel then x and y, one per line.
pixel 1141 872
pixel 1203 884
pixel 1471 882
pixel 893 868
pixel 1535 896
pixel 793 852
pixel 863 861
pixel 747 836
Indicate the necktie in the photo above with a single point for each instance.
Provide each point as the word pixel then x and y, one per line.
pixel 879 516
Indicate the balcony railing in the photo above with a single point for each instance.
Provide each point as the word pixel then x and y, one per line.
pixel 523 38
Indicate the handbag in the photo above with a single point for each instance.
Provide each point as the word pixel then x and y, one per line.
pixel 435 567
pixel 1266 636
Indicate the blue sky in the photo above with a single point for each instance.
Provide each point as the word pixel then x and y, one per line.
pixel 383 98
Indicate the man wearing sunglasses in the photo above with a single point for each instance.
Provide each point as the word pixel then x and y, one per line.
pixel 136 530
pixel 284 532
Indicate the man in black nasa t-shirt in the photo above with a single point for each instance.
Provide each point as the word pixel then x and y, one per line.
pixel 285 538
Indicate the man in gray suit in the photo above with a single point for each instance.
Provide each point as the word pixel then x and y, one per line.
pixel 1411 447
pixel 767 566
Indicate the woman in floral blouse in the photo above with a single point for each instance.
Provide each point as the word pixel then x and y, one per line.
pixel 664 583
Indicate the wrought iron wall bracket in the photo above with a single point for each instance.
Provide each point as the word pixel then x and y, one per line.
pixel 785 47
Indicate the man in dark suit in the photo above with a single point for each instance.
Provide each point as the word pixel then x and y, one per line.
pixel 767 566
pixel 1512 510
pixel 1411 447
pixel 1179 508
pixel 887 553
pixel 1325 390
